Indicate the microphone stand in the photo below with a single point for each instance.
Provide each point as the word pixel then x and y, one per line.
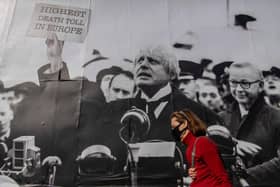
pixel 133 149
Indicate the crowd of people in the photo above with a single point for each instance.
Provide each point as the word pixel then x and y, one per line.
pixel 66 115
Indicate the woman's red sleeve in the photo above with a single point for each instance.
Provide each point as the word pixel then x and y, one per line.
pixel 212 158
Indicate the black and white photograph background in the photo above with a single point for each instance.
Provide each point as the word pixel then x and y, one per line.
pixel 88 88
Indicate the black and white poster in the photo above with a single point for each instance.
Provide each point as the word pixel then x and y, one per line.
pixel 87 89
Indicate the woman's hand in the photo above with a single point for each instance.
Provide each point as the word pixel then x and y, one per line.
pixel 192 173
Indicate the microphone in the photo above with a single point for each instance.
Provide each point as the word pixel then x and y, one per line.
pixel 96 159
pixel 6 181
pixel 52 162
pixel 138 123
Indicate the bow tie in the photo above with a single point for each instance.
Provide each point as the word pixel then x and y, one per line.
pixel 151 106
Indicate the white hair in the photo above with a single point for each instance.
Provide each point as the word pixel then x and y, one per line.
pixel 164 56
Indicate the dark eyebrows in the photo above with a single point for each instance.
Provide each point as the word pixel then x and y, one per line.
pixel 150 59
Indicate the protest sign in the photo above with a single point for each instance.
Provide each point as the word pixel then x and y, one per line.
pixel 69 23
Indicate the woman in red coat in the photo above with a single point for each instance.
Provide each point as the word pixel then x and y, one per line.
pixel 208 169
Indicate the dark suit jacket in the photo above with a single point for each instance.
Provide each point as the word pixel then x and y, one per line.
pixel 262 127
pixel 106 129
pixel 54 116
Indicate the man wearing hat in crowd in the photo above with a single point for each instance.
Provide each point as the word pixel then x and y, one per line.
pixel 155 69
pixel 207 75
pixel 21 91
pixel 255 125
pixel 103 79
pixel 272 87
pixel 220 70
pixel 186 82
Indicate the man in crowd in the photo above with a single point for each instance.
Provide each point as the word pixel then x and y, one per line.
pixel 103 78
pixel 154 70
pixel 7 95
pixel 209 96
pixel 272 86
pixel 122 86
pixel 220 70
pixel 189 72
pixel 254 124
pixel 6 116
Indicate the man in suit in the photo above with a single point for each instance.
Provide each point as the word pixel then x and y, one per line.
pixel 53 115
pixel 154 70
pixel 255 125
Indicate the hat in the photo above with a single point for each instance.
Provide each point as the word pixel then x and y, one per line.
pixel 186 41
pixel 205 62
pixel 189 70
pixel 180 45
pixel 113 70
pixel 97 57
pixel 266 73
pixel 242 19
pixel 26 88
pixel 273 71
pixel 219 69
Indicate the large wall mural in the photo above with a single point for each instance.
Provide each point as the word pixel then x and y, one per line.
pixel 88 87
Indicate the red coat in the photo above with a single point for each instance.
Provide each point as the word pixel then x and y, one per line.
pixel 208 164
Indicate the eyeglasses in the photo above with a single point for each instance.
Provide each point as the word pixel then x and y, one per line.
pixel 243 84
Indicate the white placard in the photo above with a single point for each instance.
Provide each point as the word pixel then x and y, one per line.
pixel 69 23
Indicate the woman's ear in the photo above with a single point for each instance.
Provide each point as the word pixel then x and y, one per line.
pixel 185 124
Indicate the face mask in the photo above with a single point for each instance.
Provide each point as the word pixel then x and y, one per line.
pixel 176 133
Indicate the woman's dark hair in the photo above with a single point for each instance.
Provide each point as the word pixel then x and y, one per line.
pixel 195 125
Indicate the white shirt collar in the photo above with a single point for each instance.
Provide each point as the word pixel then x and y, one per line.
pixel 243 111
pixel 166 90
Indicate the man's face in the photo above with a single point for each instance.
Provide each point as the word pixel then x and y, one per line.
pixel 250 81
pixel 188 87
pixel 149 71
pixel 272 85
pixel 8 96
pixel 122 87
pixel 104 85
pixel 209 96
pixel 6 115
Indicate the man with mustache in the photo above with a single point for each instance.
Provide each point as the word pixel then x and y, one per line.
pixel 254 124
